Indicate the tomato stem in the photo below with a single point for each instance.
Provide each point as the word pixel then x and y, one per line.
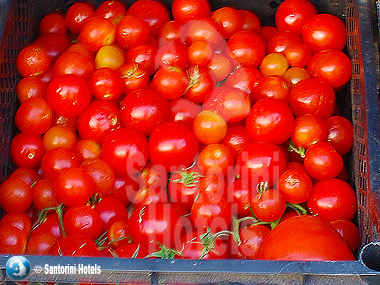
pixel 59 211
pixel 298 208
pixel 193 78
pixel 300 150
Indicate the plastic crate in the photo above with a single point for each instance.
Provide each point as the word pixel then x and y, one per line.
pixel 18 21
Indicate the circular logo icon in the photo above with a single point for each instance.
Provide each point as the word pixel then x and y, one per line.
pixel 17 267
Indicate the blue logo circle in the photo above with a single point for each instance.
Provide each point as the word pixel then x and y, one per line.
pixel 17 267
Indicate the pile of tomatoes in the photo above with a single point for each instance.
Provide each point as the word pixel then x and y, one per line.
pixel 186 133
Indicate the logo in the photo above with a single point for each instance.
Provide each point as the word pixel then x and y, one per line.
pixel 17 267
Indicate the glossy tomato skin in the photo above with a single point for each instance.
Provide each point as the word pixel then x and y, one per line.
pixel 15 195
pixel 173 145
pixel 268 206
pixel 40 244
pixel 86 149
pixel 236 138
pixel 244 78
pixel 170 82
pixel 340 133
pixel 56 160
pixel 96 33
pixel 349 231
pixel 272 87
pixel 52 23
pixel 27 150
pixel 143 55
pixel 333 199
pixel 59 136
pixel 270 120
pixel 32 61
pixel 75 245
pixel 134 77
pixel 295 185
pixel 54 45
pixel 124 189
pixel 111 211
pixel 184 11
pixel 76 16
pixel 68 95
pixel 304 238
pixel 106 84
pixel 126 151
pixel 201 84
pixel 12 241
pixel 183 110
pixel 28 175
pixel 30 87
pixel 227 20
pixel 209 127
pixel 50 225
pixel 73 63
pixel 129 250
pixel 261 161
pixel 43 194
pixel 239 195
pixel 132 31
pixel 143 110
pixel 216 159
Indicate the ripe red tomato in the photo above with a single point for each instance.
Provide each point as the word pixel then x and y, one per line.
pixel 132 32
pixel 209 127
pixel 324 31
pixel 32 61
pixel 251 21
pixel 173 145
pixel 124 189
pixel 295 185
pixel 143 55
pixel 68 95
pixel 59 136
pixel 273 87
pixel 111 10
pixel 185 10
pixel 322 161
pixel 216 159
pixel 118 235
pixel 199 53
pixel 97 32
pixel 228 21
pixel 152 176
pixel 126 151
pixel 17 220
pixel 40 244
pixel 261 161
pixel 349 232
pixel 52 23
pixel 143 110
pixel 15 196
pixel 28 175
pixel 86 149
pixel 56 160
pixel 340 133
pixel 320 241
pixel 200 84
pixel 171 54
pixel 236 138
pixel 298 54
pixel 239 195
pixel 27 150
pixel 294 75
pixel 281 41
pixel 134 77
pixel 50 225
pixel 30 87
pixel 54 45
pixel 111 211
pixel 75 245
pixel 170 82
pixel 43 194
pixel 151 195
pixel 73 186
pixel 73 63
pixel 76 16
pixel 182 110
pixel 82 220
pixel 333 199
pixel 268 206
pixel 270 120
pixel 131 250
pixel 292 15
pixel 12 241
pixel 251 239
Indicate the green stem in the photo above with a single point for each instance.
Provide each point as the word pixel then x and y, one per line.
pixel 298 208
pixel 59 211
pixel 300 150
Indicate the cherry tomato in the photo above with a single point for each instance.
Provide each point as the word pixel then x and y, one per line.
pixel 261 161
pixel 82 220
pixel 30 87
pixel 239 195
pixel 349 232
pixel 111 211
pixel 73 63
pixel 58 136
pixel 216 158
pixel 209 127
pixel 54 45
pixel 80 48
pixel 144 56
pixel 173 145
pixel 200 84
pixel 268 206
pixel 17 220
pixel 97 32
pixel 199 53
pixel 12 241
pixel 26 150
pixel 118 235
pixel 322 161
pixel 185 10
pixel 340 133
pixel 270 120
pixel 68 95
pixel 204 30
pixel 153 176
pixel 298 54
pixel 236 138
pixel 170 82
pixel 295 186
pixel 132 31
pixel 319 239
pixel 126 151
pixel 292 15
pixel 111 10
pixel 228 21
pixel 43 194
pixel 244 78
pixel 131 250
pixel 143 110
pixel 312 96
pixel 324 31
pixel 274 64
pixel 251 21
pixel 76 16
pixel 281 41
pixel 134 77
pixel 50 225
pixel 148 196
pixel 86 149
pixel 294 75
pixel 28 175
pixel 106 84
pixel 110 56
pixel 32 61
pixel 52 23
pixel 15 196
pixel 333 199
pixel 251 239
pixel 183 110
pixel 171 54
pixel 40 244
pixel 66 122
pixel 124 189
pixel 273 86
pixel 73 186
pixel 75 245
pixel 57 159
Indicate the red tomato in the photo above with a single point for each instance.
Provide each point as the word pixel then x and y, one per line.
pixel 87 149
pixel 173 145
pixel 332 66
pixel 15 196
pixel 153 12
pixel 268 206
pixel 274 64
pixel 58 136
pixel 134 77
pixel 320 241
pixel 40 244
pixel 199 53
pixel 99 119
pixel 340 133
pixel 215 159
pixel 236 138
pixel 205 31
pixel 169 32
pixel 312 96
pixel 295 186
pixel 298 54
pixel 73 63
pixel 34 117
pixel 111 10
pixel 75 245
pixel 281 41
pixel 239 195
pixel 68 95
pixel 17 220
pixel 118 235
pixel 12 241
pixel 228 21
pixel 57 159
pixel 124 189
pixel 183 110
pixel 28 175
pixel 54 45
pixel 170 82
pixel 273 87
pixel 349 232
pixel 185 10
pixel 43 194
pixel 151 195
pixel 143 110
pixel 270 120
pixel 111 211
pixel 126 151
pixel 76 16
pixel 82 220
pixel 66 122
pixel 153 176
pixel 143 55
pixel 30 87
pixel 73 187
pixel 52 23
pixel 322 161
pixel 251 21
pixel 200 84
pixel 324 31
pixel 97 32
pixel 50 225
pixel 261 161
pixel 209 127
pixel 294 75
pixel 333 199
pixel 27 150
pixel 251 239
pixel 244 78
pixel 247 48
pixel 131 250
pixel 132 32
pixel 171 54
pixel 32 61
pixel 292 15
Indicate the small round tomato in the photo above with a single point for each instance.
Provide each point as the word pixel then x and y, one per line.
pixel 99 119
pixel 52 23
pixel 274 64
pixel 247 48
pixel 131 250
pixel 268 206
pixel 298 54
pixel 54 45
pixel 251 21
pixel 12 241
pixel 322 161
pixel 292 15
pixel 43 194
pixel 251 240
pixel 28 175
pixel 142 110
pixel 73 186
pixel 27 150
pixel 124 189
pixel 170 82
pixel 308 129
pixel 80 48
pixel 173 145
pixel 236 138
pixel 332 66
pixel 132 31
pixel 200 84
pixel 152 176
pixel 109 56
pixel 312 96
pixel 68 95
pixel 17 220
pixel 87 149
pixel 66 122
pixel 171 54
pixel 204 30
pixel 143 55
pixel 261 161
pixel 57 159
pixel 244 78
pixel 216 158
pixel 281 41
pixel 73 63
pixel 111 211
pixel 270 120
pixel 199 53
pixel 82 220
pixel 239 195
pixel 349 232
pixel 185 10
pixel 183 110
pixel 228 21
pixel 294 75
pixel 97 32
pixel 59 136
pixel 15 196
pixel 219 66
pixel 76 16
pixel 30 87
pixel 340 133
pixel 324 31
pixel 118 235
pixel 40 244
pixel 111 10
pixel 106 84
pixel 50 225
pixel 333 199
pixel 295 185
pixel 34 117
pixel 273 86
pixel 102 174
pixel 126 151
pixel 134 77
pixel 75 245
pixel 32 61
pixel 148 196
pixel 209 127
